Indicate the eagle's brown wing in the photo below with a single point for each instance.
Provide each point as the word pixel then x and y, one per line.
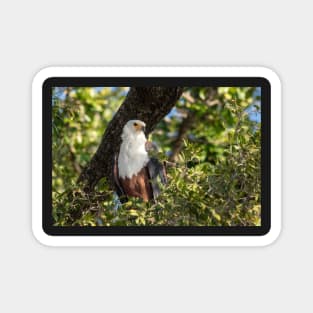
pixel 138 185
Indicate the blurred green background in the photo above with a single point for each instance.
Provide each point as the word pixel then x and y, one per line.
pixel 212 135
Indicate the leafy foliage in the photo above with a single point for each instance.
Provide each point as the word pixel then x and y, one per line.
pixel 212 135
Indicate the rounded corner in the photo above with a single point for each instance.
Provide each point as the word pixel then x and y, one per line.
pixel 41 233
pixel 270 75
pixel 271 236
pixel 42 76
pixel 41 237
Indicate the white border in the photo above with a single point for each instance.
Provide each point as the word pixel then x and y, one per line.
pixel 45 239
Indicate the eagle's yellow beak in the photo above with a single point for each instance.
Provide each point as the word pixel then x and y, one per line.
pixel 140 127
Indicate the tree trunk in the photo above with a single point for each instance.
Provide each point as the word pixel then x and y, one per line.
pixel 149 104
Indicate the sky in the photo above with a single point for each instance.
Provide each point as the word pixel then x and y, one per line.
pixel 253 114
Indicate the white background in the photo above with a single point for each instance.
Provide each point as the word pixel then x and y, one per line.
pixel 36 34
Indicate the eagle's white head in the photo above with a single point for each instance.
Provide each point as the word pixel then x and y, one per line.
pixel 133 128
pixel 133 155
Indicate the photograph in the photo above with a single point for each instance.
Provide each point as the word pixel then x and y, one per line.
pixel 156 156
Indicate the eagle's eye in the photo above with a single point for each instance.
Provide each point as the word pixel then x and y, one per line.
pixel 135 124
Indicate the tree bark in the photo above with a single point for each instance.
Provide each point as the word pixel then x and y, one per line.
pixel 149 104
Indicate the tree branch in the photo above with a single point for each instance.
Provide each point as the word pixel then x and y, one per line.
pixel 182 134
pixel 189 120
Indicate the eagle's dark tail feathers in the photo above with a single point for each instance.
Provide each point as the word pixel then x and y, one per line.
pixel 156 169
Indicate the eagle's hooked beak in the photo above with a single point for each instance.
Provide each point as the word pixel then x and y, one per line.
pixel 140 127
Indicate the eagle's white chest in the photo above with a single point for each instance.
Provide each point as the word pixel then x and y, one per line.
pixel 133 155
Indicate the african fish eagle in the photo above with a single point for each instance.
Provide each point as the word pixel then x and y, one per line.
pixel 135 173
